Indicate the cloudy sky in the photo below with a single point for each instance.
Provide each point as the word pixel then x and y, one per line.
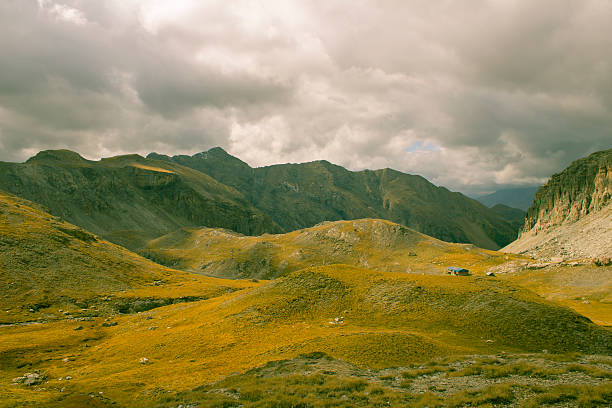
pixel 472 95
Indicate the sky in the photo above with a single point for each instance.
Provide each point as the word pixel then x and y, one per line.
pixel 474 96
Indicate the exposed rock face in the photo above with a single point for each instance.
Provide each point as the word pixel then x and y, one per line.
pixel 572 213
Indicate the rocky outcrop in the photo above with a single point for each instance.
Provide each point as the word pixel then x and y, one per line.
pixel 572 213
pixel 583 188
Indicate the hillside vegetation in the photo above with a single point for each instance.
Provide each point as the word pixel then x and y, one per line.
pixel 301 195
pixel 384 320
pixel 47 264
pixel 374 244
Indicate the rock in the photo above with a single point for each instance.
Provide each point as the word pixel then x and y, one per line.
pixel 144 360
pixel 109 324
pixel 78 328
pixel 337 320
pixel 30 379
pixel 490 274
pixel 152 328
pixel 149 317
pixel 68 377
pixel 537 265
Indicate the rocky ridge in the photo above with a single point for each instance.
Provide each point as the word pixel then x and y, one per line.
pixel 571 216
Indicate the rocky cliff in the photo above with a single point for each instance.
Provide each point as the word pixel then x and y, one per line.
pixel 571 215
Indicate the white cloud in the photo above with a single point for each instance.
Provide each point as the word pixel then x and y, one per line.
pixel 63 12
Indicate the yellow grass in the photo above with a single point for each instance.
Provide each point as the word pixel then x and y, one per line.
pixel 158 169
pixel 389 320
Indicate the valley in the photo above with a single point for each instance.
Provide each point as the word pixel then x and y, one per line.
pixel 357 312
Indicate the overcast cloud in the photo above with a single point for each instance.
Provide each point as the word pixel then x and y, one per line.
pixel 472 95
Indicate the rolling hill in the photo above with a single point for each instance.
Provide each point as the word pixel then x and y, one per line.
pixel 373 320
pixel 375 244
pixel 301 195
pixel 47 264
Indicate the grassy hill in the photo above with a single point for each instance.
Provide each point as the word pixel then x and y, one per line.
pixel 301 195
pixel 128 199
pixel 385 319
pixel 375 244
pixel 586 288
pixel 47 264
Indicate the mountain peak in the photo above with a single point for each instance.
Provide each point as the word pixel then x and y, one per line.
pixel 59 155
pixel 217 150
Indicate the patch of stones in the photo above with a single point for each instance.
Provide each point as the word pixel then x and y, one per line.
pixel 30 379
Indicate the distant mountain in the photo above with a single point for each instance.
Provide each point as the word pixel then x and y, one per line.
pixel 514 216
pixel 521 198
pixel 571 216
pixel 297 196
pixel 128 199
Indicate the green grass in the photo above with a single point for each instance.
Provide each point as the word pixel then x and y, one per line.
pixel 585 396
pixel 500 370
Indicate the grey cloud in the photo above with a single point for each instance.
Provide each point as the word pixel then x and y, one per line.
pixel 472 96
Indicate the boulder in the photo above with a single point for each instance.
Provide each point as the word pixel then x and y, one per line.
pixel 30 379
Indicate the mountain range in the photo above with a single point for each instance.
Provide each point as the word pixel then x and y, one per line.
pixel 520 198
pixel 130 199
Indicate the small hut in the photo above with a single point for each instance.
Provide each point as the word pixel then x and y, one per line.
pixel 457 271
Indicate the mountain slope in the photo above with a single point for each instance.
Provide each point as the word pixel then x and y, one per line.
pixel 46 264
pixel 302 195
pixel 520 198
pixel 376 244
pixel 514 216
pixel 571 216
pixel 128 199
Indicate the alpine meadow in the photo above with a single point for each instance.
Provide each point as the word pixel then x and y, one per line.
pixel 305 204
